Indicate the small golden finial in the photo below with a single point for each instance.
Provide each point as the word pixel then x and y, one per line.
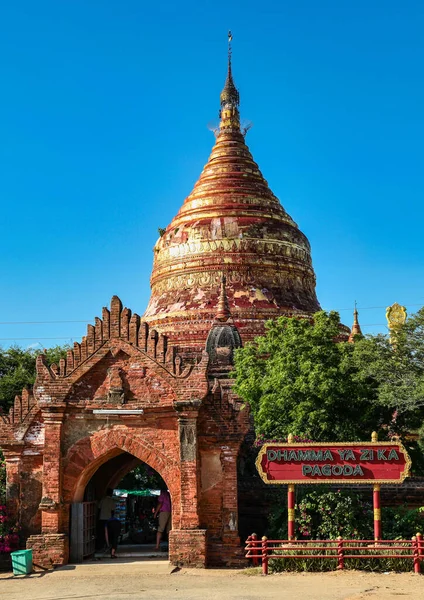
pixel 290 438
pixel 223 310
pixel 374 436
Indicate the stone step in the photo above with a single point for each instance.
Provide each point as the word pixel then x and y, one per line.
pixel 126 554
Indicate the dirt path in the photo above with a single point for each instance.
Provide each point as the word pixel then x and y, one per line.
pixel 133 580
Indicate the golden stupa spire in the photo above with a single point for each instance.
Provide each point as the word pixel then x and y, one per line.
pixel 223 310
pixel 356 328
pixel 230 98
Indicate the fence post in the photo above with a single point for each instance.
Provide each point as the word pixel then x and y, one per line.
pixel 264 555
pixel 340 557
pixel 417 550
pixel 248 545
pixel 420 545
pixel 252 545
pixel 255 559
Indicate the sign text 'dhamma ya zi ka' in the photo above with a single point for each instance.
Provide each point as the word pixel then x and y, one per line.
pixel 374 462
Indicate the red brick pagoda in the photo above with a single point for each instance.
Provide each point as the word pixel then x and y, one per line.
pixel 156 389
pixel 230 224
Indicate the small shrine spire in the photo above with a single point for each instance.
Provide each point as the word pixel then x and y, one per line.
pixel 223 310
pixel 223 337
pixel 356 328
pixel 230 97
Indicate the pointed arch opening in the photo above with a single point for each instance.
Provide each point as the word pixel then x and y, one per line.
pixel 108 476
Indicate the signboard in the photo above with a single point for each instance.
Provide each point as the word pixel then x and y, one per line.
pixel 362 462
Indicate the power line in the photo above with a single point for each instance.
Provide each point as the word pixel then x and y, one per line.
pixel 88 320
pixel 370 307
pixel 68 337
pixel 72 337
pixel 38 322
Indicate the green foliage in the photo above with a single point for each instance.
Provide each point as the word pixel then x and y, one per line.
pixel 142 477
pixel 277 517
pixel 320 565
pixel 17 370
pixel 322 513
pixel 327 515
pixel 296 379
pixel 397 370
pixel 401 523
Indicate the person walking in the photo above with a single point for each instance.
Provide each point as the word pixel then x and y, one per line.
pixel 106 506
pixel 114 530
pixel 164 510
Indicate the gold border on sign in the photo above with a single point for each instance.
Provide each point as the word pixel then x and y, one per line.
pixel 405 473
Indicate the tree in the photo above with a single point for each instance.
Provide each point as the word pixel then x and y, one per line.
pixel 296 379
pixel 396 367
pixel 17 370
pixel 141 477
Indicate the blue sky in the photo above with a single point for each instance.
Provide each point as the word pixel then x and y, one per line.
pixel 104 107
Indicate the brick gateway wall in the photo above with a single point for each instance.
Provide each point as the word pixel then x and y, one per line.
pixel 190 433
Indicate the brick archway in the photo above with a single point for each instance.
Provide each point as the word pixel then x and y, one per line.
pixel 88 454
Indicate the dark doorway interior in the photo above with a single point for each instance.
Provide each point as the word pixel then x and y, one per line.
pixel 136 488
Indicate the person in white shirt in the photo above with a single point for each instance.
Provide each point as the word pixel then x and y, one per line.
pixel 106 506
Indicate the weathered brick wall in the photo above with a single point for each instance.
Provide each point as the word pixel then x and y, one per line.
pixel 30 495
pixel 48 550
pixel 188 547
pixel 222 426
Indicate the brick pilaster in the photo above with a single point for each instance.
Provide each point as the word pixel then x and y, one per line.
pixel 51 501
pixel 13 457
pixel 187 429
pixel 229 500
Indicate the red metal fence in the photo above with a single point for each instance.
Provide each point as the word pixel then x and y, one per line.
pixel 264 550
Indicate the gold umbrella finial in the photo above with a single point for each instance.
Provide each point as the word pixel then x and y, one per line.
pixel 396 318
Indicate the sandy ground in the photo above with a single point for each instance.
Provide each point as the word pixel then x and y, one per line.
pixel 126 579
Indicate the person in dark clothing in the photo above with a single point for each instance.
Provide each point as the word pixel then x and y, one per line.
pixel 113 529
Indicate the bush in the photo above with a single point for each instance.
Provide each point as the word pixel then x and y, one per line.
pixel 401 523
pixel 2 479
pixel 9 537
pixel 326 514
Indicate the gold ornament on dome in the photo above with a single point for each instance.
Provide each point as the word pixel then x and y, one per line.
pixel 274 247
pixel 396 316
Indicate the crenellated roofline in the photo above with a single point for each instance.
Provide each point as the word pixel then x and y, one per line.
pixel 117 323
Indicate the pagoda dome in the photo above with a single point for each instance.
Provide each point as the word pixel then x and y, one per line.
pixel 230 224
